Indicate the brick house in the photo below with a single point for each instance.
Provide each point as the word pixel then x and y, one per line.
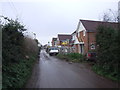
pixel 75 43
pixel 64 39
pixel 54 42
pixel 85 35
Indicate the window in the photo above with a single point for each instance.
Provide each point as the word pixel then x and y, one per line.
pixel 92 46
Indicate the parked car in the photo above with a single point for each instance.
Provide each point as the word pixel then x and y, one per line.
pixel 53 51
pixel 91 56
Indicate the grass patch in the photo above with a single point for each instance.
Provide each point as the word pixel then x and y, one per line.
pixel 72 57
pixel 115 76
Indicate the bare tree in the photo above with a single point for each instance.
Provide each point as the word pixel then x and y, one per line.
pixel 110 16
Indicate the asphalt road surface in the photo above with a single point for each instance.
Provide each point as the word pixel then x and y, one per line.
pixel 50 72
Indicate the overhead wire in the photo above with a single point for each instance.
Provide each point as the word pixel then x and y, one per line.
pixel 14 10
pixel 17 15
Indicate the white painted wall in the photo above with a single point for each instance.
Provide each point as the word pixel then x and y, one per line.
pixel 75 38
pixel 80 27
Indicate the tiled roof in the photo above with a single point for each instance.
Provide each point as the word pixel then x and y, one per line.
pixel 91 26
pixel 64 37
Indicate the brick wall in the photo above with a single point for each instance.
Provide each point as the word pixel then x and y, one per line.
pixel 87 44
pixel 91 36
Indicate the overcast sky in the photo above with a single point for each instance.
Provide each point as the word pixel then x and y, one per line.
pixel 47 18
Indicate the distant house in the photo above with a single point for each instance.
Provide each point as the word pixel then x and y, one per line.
pixel 63 42
pixel 54 42
pixel 64 39
pixel 85 35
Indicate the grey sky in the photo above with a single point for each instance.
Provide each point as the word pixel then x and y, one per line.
pixel 47 18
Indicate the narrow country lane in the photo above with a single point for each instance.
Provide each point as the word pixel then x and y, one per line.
pixel 50 72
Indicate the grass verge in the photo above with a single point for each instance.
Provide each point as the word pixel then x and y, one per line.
pixel 114 76
pixel 72 57
pixel 78 58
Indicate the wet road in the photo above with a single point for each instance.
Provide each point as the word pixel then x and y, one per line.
pixel 50 72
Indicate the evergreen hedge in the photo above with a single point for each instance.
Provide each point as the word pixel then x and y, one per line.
pixel 16 68
pixel 108 49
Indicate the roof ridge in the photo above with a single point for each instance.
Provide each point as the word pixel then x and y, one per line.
pixel 96 21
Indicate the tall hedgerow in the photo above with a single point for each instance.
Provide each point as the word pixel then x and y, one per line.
pixel 108 52
pixel 17 58
pixel 12 41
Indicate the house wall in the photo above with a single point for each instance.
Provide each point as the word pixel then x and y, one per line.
pixel 85 43
pixel 80 33
pixel 89 39
pixel 76 45
pixel 77 48
pixel 80 27
pixel 73 37
pixel 58 42
pixel 73 48
pixel 54 43
pixel 91 36
pixel 81 36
